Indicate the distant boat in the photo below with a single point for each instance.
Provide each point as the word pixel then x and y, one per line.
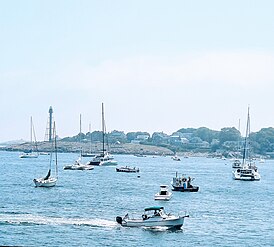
pixel 236 163
pixel 31 153
pixel 49 181
pixel 163 194
pixel 127 169
pixel 153 217
pixel 176 158
pixel 78 165
pixel 248 170
pixel 104 158
pixel 183 184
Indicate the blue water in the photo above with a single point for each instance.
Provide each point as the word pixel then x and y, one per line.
pixel 81 209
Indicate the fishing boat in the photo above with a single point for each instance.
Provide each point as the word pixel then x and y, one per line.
pixel 183 184
pixel 127 169
pixel 248 170
pixel 49 181
pixel 163 194
pixel 153 217
pixel 31 153
pixel 104 158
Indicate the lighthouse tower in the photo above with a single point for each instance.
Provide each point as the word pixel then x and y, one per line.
pixel 49 129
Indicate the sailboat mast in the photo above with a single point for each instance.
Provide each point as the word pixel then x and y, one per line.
pixel 246 136
pixel 90 137
pixel 103 128
pixel 55 147
pixel 31 130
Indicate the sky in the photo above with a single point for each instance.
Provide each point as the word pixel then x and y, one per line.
pixel 156 65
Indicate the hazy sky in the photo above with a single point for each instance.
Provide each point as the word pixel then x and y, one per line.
pixel 157 65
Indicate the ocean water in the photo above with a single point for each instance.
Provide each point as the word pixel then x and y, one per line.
pixel 81 209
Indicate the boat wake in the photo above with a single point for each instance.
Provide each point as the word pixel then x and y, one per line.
pixel 29 219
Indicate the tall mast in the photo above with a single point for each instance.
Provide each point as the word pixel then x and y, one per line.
pixel 246 135
pixel 103 128
pixel 31 129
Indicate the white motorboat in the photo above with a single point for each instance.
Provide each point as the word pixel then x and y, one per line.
pixel 153 217
pixel 49 181
pixel 29 155
pixel 248 170
pixel 163 194
pixel 78 166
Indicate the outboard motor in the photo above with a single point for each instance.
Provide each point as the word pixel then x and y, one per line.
pixel 119 220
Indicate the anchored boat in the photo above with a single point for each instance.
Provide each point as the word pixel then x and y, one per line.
pixel 183 184
pixel 153 217
pixel 163 194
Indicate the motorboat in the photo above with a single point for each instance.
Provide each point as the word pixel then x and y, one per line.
pixel 127 169
pixel 29 155
pixel 163 194
pixel 153 217
pixel 236 163
pixel 78 166
pixel 183 184
pixel 248 172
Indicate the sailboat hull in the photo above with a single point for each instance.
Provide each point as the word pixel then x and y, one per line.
pixel 41 182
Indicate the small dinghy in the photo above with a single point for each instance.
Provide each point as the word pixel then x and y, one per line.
pixel 153 217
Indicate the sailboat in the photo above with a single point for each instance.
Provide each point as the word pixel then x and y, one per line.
pixel 104 158
pixel 49 181
pixel 248 170
pixel 31 154
pixel 78 165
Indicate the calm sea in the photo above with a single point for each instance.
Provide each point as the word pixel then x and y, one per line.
pixel 81 209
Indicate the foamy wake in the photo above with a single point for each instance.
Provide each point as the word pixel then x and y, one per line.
pixel 44 220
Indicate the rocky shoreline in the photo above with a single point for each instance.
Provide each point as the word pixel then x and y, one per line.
pixel 73 147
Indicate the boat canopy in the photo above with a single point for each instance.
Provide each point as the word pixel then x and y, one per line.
pixel 154 208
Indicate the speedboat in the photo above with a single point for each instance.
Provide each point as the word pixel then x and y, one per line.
pixel 183 184
pixel 248 172
pixel 127 169
pixel 79 166
pixel 153 217
pixel 163 194
pixel 29 155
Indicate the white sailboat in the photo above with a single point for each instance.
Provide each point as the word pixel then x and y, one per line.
pixel 31 153
pixel 49 181
pixel 248 170
pixel 78 165
pixel 103 159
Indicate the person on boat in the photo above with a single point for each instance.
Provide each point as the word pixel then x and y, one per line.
pixel 189 182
